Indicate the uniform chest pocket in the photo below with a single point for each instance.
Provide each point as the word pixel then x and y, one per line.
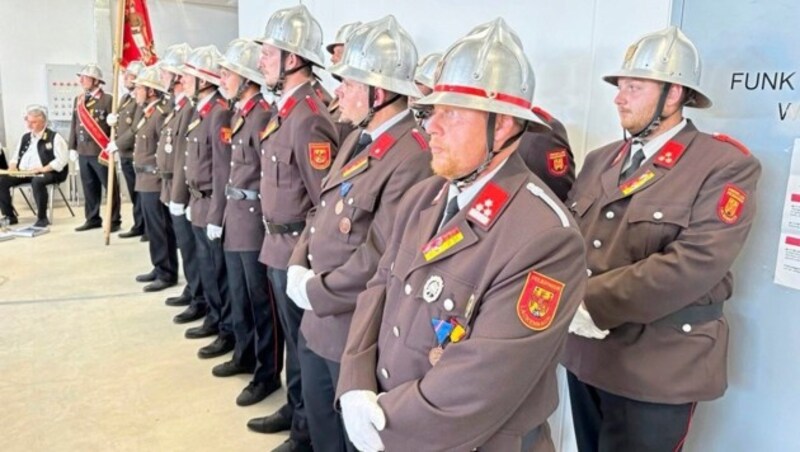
pixel 438 296
pixel 280 172
pixel 240 150
pixel 652 226
pixel 359 213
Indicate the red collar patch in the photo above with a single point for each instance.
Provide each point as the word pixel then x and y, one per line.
pixel 487 205
pixel 203 112
pixel 248 107
pixel 182 103
pixel 382 145
pixel 669 154
pixel 287 107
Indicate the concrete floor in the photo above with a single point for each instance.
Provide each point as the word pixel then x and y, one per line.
pixel 89 362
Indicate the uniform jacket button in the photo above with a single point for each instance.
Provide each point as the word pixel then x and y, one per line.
pixel 323 203
pixel 274 159
pixel 449 305
pixel 686 328
pixel 658 215
pixel 610 215
pixel 313 229
pixel 385 373
pixel 396 331
pixel 589 272
pixel 597 243
pixel 408 289
pixel 310 258
pixel 252 209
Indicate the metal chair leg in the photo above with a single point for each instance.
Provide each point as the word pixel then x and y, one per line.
pixel 64 198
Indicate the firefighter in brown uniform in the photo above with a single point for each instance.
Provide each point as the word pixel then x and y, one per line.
pixel 297 148
pixel 258 337
pixel 128 115
pixel 149 93
pixel 375 167
pixel 461 328
pixel 171 147
pixel 664 216
pixel 336 50
pixel 88 136
pixel 207 166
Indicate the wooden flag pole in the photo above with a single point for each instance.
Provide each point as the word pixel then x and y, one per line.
pixel 112 166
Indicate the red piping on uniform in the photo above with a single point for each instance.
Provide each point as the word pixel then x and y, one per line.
pixel 679 446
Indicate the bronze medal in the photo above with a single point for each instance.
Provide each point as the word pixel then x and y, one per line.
pixel 339 207
pixel 435 355
pixel 345 225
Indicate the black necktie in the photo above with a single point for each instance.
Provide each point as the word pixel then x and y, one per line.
pixel 363 142
pixel 450 211
pixel 636 162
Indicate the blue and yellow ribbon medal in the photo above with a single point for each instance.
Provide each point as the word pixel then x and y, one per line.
pixel 442 330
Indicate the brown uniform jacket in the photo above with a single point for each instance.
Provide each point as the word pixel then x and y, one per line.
pixel 99 106
pixel 208 160
pixel 147 131
pixel 548 155
pixel 128 115
pixel 353 196
pixel 321 92
pixel 659 248
pixel 297 148
pixel 510 268
pixel 243 226
pixel 172 144
pixel 179 192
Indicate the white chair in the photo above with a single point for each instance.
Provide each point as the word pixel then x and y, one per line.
pixel 51 188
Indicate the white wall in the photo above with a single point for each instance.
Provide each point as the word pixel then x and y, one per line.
pixel 571 44
pixel 38 32
pixel 32 34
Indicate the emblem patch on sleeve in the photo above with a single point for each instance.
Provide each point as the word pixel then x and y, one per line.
pixel 225 135
pixel 557 161
pixel 731 204
pixel 319 154
pixel 538 301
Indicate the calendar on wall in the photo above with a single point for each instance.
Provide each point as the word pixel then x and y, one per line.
pixel 62 87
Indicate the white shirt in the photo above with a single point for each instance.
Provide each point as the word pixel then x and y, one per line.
pixel 386 125
pixel 652 147
pixel 287 94
pixel 202 102
pixel 468 194
pixel 31 158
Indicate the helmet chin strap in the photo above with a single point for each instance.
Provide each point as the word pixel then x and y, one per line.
pixel 464 181
pixel 277 89
pixel 374 109
pixel 655 121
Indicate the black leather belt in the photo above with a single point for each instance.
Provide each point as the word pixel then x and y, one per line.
pixel 145 169
pixel 693 314
pixel 199 194
pixel 289 228
pixel 240 194
pixel 166 176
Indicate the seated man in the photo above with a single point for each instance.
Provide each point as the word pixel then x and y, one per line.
pixel 42 152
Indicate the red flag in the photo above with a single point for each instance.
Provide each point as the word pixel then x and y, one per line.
pixel 137 38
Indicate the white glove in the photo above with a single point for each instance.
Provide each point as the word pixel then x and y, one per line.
pixel 112 148
pixel 583 325
pixel 363 419
pixel 111 119
pixel 213 232
pixel 296 280
pixel 73 155
pixel 189 213
pixel 176 209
